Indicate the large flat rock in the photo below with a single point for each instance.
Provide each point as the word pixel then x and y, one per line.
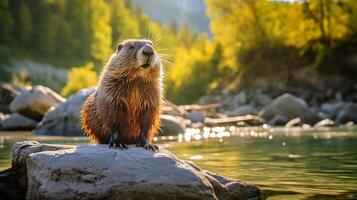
pixel 97 172
pixel 35 101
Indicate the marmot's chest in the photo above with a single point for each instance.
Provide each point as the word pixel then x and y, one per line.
pixel 132 98
pixel 139 98
pixel 135 99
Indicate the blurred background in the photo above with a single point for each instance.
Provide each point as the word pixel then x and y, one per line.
pixel 209 45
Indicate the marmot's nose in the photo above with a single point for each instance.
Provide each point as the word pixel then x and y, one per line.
pixel 148 50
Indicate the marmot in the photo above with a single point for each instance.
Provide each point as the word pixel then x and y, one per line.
pixel 125 109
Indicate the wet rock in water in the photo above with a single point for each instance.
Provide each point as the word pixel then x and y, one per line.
pixel 16 121
pixel 242 110
pixel 278 120
pixel 64 119
pixel 235 187
pixel 34 102
pixel 290 107
pixel 348 113
pixel 96 172
pixel 195 116
pixel 324 123
pixel 172 125
pixel 7 95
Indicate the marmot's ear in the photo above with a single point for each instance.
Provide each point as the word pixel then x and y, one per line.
pixel 119 47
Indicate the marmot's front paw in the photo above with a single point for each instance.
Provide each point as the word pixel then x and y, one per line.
pixel 151 147
pixel 116 142
pixel 145 144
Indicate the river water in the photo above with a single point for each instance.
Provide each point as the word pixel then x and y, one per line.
pixel 285 164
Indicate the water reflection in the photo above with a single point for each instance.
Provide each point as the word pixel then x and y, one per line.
pixel 298 164
pixel 319 164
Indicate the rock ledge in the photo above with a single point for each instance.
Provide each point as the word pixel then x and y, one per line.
pixel 45 171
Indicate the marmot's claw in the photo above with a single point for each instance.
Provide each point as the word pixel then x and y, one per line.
pixel 148 146
pixel 115 142
pixel 154 147
pixel 145 144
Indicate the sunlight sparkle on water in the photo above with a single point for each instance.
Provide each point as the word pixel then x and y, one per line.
pixel 220 132
pixel 265 126
pixel 196 157
pixel 294 156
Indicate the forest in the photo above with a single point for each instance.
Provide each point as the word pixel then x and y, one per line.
pixel 252 39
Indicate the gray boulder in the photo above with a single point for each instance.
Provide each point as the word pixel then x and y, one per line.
pixel 7 95
pixel 34 102
pixel 290 107
pixel 172 125
pixel 242 110
pixel 278 120
pixel 348 113
pixel 96 172
pixel 16 121
pixel 261 99
pixel 64 119
pixel 331 109
pixel 195 116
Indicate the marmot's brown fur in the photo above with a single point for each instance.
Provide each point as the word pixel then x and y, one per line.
pixel 125 109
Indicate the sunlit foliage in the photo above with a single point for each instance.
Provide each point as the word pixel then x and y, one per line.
pixel 21 78
pixel 260 36
pixel 79 78
pixel 123 23
pixel 194 73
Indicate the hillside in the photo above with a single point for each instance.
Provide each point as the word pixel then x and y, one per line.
pixel 168 11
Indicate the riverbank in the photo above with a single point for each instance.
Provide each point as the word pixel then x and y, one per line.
pixel 45 112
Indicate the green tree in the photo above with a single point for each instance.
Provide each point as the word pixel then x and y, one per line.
pixel 6 22
pixel 79 22
pixel 25 23
pixel 101 31
pixel 122 22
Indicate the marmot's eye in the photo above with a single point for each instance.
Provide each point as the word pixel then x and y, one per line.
pixel 131 46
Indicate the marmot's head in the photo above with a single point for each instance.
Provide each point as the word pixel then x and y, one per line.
pixel 132 59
